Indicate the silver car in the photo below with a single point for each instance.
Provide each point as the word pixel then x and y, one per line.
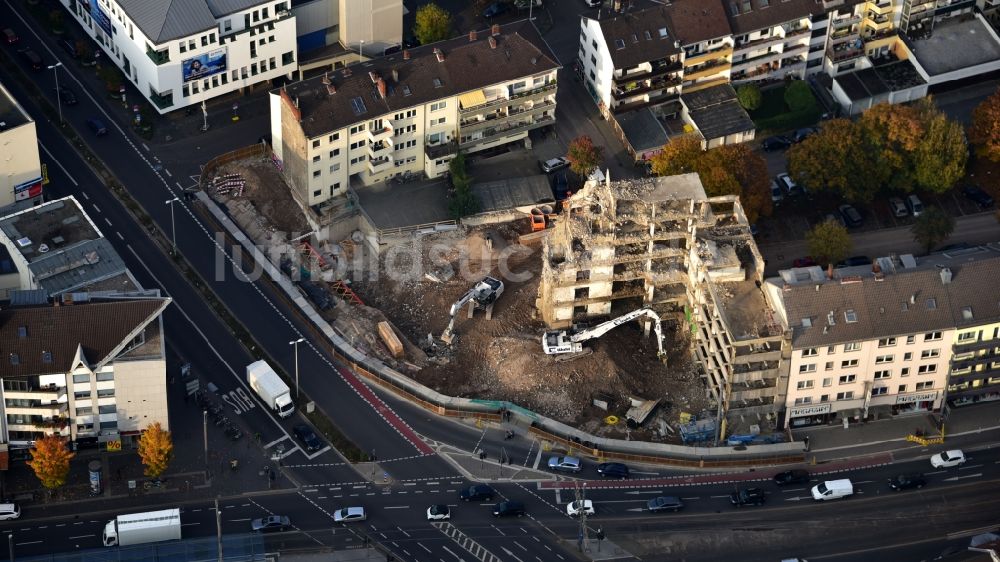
pixel 565 464
pixel 349 515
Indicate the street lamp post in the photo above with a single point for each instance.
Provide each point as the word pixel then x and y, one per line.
pixel 295 344
pixel 55 71
pixel 204 418
pixel 173 230
pixel 361 52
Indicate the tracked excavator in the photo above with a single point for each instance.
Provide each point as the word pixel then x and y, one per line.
pixel 563 342
pixel 482 295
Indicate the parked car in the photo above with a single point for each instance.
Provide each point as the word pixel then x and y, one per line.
pixel 97 126
pixel 832 489
pixel 748 496
pixel 804 133
pixel 948 459
pixel 308 437
pixel 69 45
pixel 913 203
pixel 778 142
pixel 613 470
pixel 508 508
pixel 553 164
pixel 495 9
pixel 565 464
pixel 9 511
pixel 577 507
pixel 789 185
pixel 33 60
pixel 66 96
pixel 777 195
pixel 796 476
pixel 593 3
pixel 476 492
pixel 9 37
pixel 560 186
pixel 907 481
pixel 978 196
pixel 438 513
pixel 854 261
pixel 806 261
pixel 897 207
pixel 349 515
pixel 664 503
pixel 270 524
pixel 851 216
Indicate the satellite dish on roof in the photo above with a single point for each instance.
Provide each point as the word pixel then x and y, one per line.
pixel 43 248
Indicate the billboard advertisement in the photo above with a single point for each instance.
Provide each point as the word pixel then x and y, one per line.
pixel 28 189
pixel 100 17
pixel 204 65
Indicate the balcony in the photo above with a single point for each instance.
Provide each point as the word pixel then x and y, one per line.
pixel 714 67
pixel 379 165
pixel 881 7
pixel 797 31
pixel 492 120
pixel 162 101
pixel 975 345
pixel 508 129
pixel 43 394
pixel 158 57
pixel 759 43
pixel 651 100
pixel 375 148
pixel 758 60
pixel 845 34
pixel 636 89
pixel 377 135
pixel 440 150
pixel 698 58
pixel 845 21
pixel 659 68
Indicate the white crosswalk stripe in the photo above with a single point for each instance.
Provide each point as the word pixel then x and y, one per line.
pixel 462 540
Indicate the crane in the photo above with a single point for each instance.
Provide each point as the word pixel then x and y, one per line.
pixel 483 294
pixel 558 342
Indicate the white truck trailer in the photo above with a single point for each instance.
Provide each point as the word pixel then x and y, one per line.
pixel 142 528
pixel 269 386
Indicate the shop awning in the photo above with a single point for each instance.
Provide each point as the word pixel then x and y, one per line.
pixel 472 99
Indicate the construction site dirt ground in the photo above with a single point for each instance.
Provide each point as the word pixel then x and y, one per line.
pixel 497 359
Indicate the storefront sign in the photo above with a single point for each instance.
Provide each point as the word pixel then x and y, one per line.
pixel 809 410
pixel 920 397
pixel 114 446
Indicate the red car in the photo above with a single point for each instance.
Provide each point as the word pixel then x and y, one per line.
pixel 804 262
pixel 9 36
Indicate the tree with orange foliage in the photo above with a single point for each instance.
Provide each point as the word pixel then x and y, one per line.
pixel 583 156
pixel 156 449
pixel 984 133
pixel 50 461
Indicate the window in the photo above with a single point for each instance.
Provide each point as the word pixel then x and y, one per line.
pixel 830 350
pixel 879 391
pixel 317 192
pixel 927 369
pixel 316 173
pixel 109 425
pixel 931 304
pixel 334 168
pixel 593 59
pixel 848 379
pixel 357 129
pixel 925 385
pixel 883 374
pixel 81 378
pixel 904 372
pixel 901 389
pixel 886 342
pixel 828 366
pixel 932 336
pixel 827 381
pixel 334 153
pixel 910 339
pixel 930 353
pixel 853 346
pixel 316 158
pixel 82 395
pixel 439 105
pixel 357 145
pixel 593 43
pixel 849 395
pixel 227 25
pixel 967 336
pixel 106 409
pixel 440 121
pixel 849 363
pixel 883 359
pixel 803 400
pixel 315 142
pixel 907 356
pixel 334 187
pixel 802 385
pixel 811 352
pixel 84 411
pixel 850 316
pixel 619 44
pixel 824 398
pixel 810 368
pixel 105 377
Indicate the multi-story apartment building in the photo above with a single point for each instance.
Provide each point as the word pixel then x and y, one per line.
pixel 184 52
pixel 368 25
pixel 20 168
pixel 878 341
pixel 772 40
pixel 918 17
pixel 707 41
pixel 412 111
pixel 89 368
pixel 55 247
pixel 662 243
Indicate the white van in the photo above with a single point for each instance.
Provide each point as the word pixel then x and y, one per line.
pixel 9 511
pixel 832 489
pixel 914 204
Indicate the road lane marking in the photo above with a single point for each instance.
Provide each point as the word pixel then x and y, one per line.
pixel 239 520
pixel 418 544
pixel 402 531
pixel 107 221
pixel 96 208
pixel 119 235
pixel 58 163
pixel 60 525
pixel 692 498
pixel 643 492
pixel 191 524
pixel 27 543
pixel 448 550
pixel 519 545
pixel 967 466
pixel 502 534
pixel 275 442
pixel 81 537
pixel 396 507
pixel 85 196
pixel 432 483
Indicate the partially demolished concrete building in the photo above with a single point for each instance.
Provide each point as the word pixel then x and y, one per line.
pixel 662 243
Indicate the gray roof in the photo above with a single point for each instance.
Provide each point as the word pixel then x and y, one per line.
pixel 79 267
pixel 716 112
pixel 639 36
pixel 11 114
pixel 902 303
pixel 642 129
pixel 468 66
pixel 165 20
pixel 506 194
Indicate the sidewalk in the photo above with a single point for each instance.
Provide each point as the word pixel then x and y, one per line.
pixel 834 442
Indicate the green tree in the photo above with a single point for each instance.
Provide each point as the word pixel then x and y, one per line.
pixel 984 132
pixel 939 159
pixel 50 461
pixel 156 449
pixel 463 203
pixel 679 156
pixel 433 24
pixel 891 133
pixel 749 96
pixel 932 227
pixel 798 96
pixel 583 156
pixel 749 169
pixel 829 242
pixel 836 160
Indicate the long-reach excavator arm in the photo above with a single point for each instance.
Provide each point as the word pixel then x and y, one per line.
pixel 556 342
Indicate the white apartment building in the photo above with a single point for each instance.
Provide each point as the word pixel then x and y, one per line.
pixel 412 111
pixel 878 340
pixel 183 52
pixel 89 368
pixel 20 168
pixel 371 26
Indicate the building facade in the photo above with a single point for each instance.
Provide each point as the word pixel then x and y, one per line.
pixel 88 368
pixel 182 53
pixel 412 111
pixel 20 168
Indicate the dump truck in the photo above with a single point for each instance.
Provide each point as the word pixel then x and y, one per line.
pixel 142 528
pixel 271 389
